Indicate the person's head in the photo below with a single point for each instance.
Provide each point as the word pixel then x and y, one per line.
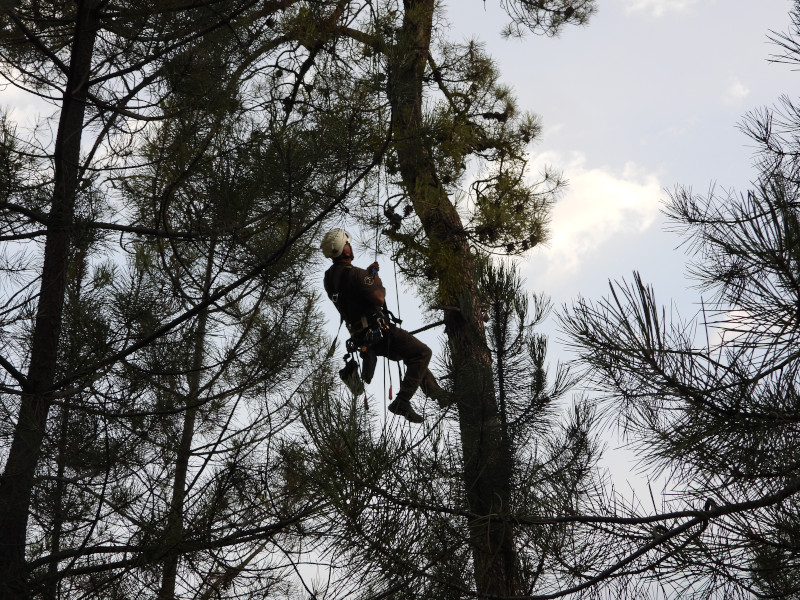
pixel 336 244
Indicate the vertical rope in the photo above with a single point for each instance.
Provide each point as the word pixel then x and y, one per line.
pixel 399 317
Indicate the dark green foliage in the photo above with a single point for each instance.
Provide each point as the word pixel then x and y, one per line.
pixel 478 136
pixel 199 178
pixel 395 512
pixel 546 17
pixel 518 352
pixel 392 520
pixel 555 451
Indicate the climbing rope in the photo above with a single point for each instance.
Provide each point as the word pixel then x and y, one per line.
pixel 399 317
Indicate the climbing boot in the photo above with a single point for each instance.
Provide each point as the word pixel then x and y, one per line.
pixel 402 407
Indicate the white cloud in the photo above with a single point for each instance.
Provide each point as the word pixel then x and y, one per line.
pixel 22 107
pixel 598 205
pixel 735 91
pixel 658 8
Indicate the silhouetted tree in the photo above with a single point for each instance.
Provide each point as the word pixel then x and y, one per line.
pixel 115 72
pixel 448 111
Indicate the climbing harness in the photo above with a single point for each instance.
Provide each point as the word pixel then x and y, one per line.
pixel 368 331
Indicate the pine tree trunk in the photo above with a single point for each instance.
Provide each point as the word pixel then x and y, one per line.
pixel 59 495
pixel 175 518
pixel 487 464
pixel 18 476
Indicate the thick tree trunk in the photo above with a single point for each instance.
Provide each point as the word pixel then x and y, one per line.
pixel 17 480
pixel 487 464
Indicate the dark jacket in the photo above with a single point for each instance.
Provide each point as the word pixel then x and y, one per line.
pixel 353 293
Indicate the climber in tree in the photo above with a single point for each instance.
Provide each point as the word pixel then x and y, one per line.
pixel 360 298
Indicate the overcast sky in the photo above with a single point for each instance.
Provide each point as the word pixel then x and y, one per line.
pixel 647 96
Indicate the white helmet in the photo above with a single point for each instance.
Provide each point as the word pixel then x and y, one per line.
pixel 334 241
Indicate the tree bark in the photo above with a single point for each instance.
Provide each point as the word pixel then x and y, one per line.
pixel 487 463
pixel 50 591
pixel 17 481
pixel 175 518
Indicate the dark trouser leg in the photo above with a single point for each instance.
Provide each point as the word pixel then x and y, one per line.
pixel 432 389
pixel 401 345
pixel 368 362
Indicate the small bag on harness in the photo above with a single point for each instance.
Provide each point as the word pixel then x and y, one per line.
pixel 371 331
pixel 349 375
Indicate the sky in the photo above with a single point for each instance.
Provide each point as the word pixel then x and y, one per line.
pixel 646 97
